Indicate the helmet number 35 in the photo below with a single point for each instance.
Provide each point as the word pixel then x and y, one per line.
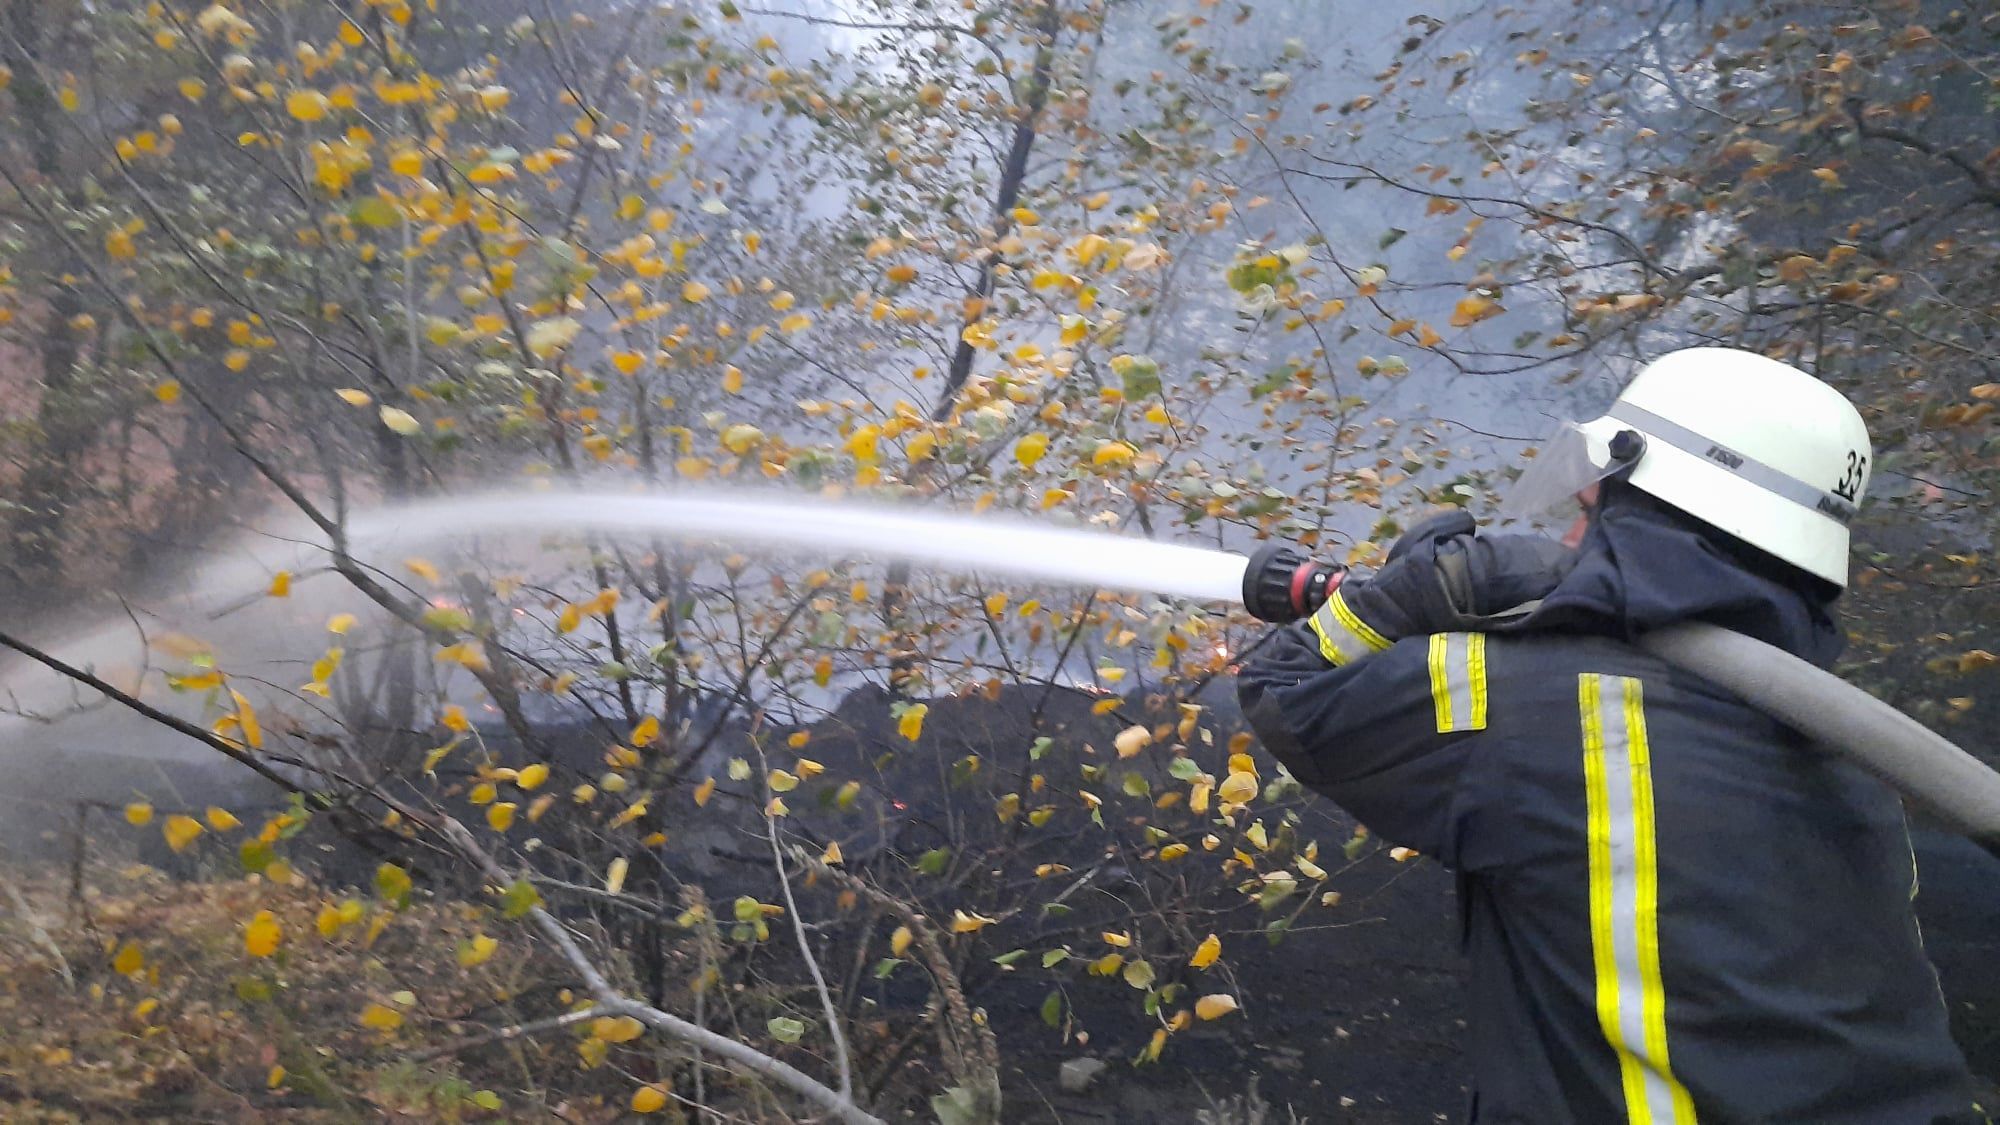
pixel 1857 472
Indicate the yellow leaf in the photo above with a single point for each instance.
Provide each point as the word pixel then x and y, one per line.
pixel 381 1017
pixel 181 831
pixel 422 568
pixel 899 942
pixel 477 951
pixel 647 730
pixel 1173 852
pixel 911 724
pixel 328 921
pixel 130 960
pixel 1121 940
pixel 407 162
pixel 1031 449
pixel 648 1099
pixel 694 292
pixel 1976 659
pixel 1113 453
pixel 732 379
pixel 831 855
pixel 306 105
pixel 963 923
pixel 236 359
pixel 795 324
pixel 138 813
pixel 1472 310
pixel 996 604
pixel 1214 1006
pixel 193 88
pixel 1237 788
pixel 741 438
pixel 353 397
pixel 401 421
pixel 616 1029
pixel 500 816
pixel 532 776
pixel 703 792
pixel 627 362
pixel 340 623
pixel 614 876
pixel 547 337
pixel 281 584
pixel 253 732
pixel 169 391
pixel 1132 739
pixel 262 935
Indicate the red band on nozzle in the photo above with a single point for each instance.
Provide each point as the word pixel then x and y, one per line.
pixel 1300 577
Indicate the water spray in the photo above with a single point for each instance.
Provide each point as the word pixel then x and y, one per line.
pixel 1278 583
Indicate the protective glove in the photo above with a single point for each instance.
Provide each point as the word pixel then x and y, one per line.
pixel 1441 576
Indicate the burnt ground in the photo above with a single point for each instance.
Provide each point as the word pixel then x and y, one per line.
pixel 1357 1017
pixel 1365 1024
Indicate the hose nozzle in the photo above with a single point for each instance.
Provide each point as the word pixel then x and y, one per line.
pixel 1282 583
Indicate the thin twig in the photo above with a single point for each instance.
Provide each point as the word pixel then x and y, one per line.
pixel 505 1034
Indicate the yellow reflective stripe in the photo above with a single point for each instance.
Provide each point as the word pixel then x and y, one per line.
pixel 1625 898
pixel 1440 680
pixel 1597 835
pixel 1458 681
pixel 1342 635
pixel 1475 668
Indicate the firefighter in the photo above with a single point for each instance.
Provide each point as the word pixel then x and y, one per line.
pixel 1674 908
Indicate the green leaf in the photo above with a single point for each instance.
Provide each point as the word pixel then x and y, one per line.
pixel 1054 957
pixel 1139 974
pixel 956 1106
pixel 253 990
pixel 519 898
pixel 886 966
pixel 785 1029
pixel 1141 377
pixel 1136 785
pixel 748 909
pixel 1052 1008
pixel 1392 237
pixel 1040 748
pixel 1009 957
pixel 1184 769
pixel 375 211
pixel 934 862
pixel 486 1099
pixel 392 883
pixel 255 856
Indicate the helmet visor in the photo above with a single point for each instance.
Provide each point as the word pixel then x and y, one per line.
pixel 1571 460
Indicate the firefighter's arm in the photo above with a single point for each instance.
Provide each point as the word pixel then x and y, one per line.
pixel 1440 577
pixel 1363 733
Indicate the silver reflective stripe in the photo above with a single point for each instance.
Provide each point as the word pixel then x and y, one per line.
pixel 1756 472
pixel 1624 898
pixel 1458 681
pixel 1343 636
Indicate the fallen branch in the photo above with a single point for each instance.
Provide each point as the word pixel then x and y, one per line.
pixel 612 1002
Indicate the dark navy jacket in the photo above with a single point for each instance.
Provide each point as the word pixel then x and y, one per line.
pixel 1675 909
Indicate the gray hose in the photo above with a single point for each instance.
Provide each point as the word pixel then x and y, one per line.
pixel 1923 765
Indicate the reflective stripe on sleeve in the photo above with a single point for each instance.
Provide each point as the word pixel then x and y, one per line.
pixel 1458 681
pixel 1625 898
pixel 1342 635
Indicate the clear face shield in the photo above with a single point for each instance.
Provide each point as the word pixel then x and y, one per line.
pixel 1571 460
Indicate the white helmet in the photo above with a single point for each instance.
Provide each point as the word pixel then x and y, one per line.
pixel 1743 443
